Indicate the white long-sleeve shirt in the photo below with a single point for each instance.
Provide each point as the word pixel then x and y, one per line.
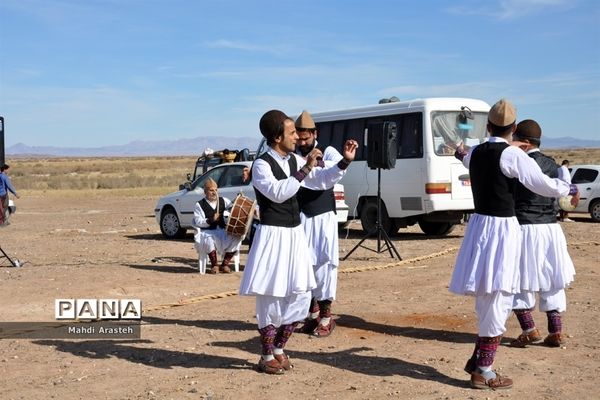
pixel 515 163
pixel 279 191
pixel 200 220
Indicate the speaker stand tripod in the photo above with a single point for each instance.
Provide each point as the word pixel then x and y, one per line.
pixel 382 235
pixel 15 262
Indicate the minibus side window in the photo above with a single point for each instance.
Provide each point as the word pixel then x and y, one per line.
pixel 336 133
pixel 355 129
pixel 324 133
pixel 410 135
pixel 337 137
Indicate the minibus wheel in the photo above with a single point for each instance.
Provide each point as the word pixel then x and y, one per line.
pixel 368 218
pixel 436 228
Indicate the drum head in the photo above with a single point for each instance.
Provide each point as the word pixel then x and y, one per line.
pixel 565 203
pixel 240 219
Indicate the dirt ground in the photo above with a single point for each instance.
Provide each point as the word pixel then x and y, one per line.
pixel 400 333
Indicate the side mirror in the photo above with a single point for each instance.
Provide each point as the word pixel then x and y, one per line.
pixel 186 186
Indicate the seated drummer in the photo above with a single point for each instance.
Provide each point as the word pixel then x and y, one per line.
pixel 212 236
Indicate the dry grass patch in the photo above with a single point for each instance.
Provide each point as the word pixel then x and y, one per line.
pixel 575 156
pixel 139 176
pixel 91 174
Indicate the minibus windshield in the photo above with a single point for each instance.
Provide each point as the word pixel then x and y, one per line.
pixel 450 128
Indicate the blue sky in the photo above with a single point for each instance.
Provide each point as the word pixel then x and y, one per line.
pixel 93 73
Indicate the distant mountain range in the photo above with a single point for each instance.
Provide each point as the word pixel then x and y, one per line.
pixel 178 147
pixel 195 146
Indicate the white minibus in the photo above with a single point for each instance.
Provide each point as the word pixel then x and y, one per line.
pixel 428 185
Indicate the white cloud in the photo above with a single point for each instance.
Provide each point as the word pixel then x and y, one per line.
pixel 294 104
pixel 248 47
pixel 572 87
pixel 511 9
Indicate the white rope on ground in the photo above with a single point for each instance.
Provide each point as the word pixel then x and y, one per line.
pixel 199 299
pixel 413 260
pixel 399 263
pixel 194 300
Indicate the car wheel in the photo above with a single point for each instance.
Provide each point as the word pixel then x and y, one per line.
pixel 436 228
pixel 368 218
pixel 595 210
pixel 170 226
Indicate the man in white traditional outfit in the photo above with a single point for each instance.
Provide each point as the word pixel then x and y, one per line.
pixel 278 271
pixel 212 238
pixel 321 226
pixel 546 266
pixel 487 264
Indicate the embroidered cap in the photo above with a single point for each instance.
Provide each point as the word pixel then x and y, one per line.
pixel 305 121
pixel 502 113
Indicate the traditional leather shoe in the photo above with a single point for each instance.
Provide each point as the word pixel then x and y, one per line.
pixel 284 360
pixel 272 367
pixel 554 340
pixel 309 326
pixel 225 269
pixel 526 338
pixel 470 366
pixel 324 330
pixel 499 382
pixel 212 271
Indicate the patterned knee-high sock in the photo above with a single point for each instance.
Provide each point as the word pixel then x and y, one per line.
pixel 227 258
pixel 487 350
pixel 212 256
pixel 525 319
pixel 475 351
pixel 325 308
pixel 283 334
pixel 267 339
pixel 314 309
pixel 554 321
pixel 325 312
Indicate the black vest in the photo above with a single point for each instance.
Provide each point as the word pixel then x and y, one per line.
pixel 492 190
pixel 316 202
pixel 209 212
pixel 531 208
pixel 286 214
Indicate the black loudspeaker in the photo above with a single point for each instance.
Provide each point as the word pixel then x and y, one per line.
pixel 381 145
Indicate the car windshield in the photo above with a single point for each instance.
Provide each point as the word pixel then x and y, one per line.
pixel 225 176
pixel 214 173
pixel 234 176
pixel 450 128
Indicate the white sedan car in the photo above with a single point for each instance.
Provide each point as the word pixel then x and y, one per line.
pixel 175 211
pixel 587 179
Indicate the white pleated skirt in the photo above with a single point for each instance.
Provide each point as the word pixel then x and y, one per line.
pixel 322 235
pixel 216 239
pixel 278 263
pixel 488 259
pixel 545 261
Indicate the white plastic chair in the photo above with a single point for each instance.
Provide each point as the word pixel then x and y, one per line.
pixel 203 260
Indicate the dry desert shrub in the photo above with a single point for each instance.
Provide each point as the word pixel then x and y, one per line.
pixel 155 174
pixel 575 156
pixel 100 173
